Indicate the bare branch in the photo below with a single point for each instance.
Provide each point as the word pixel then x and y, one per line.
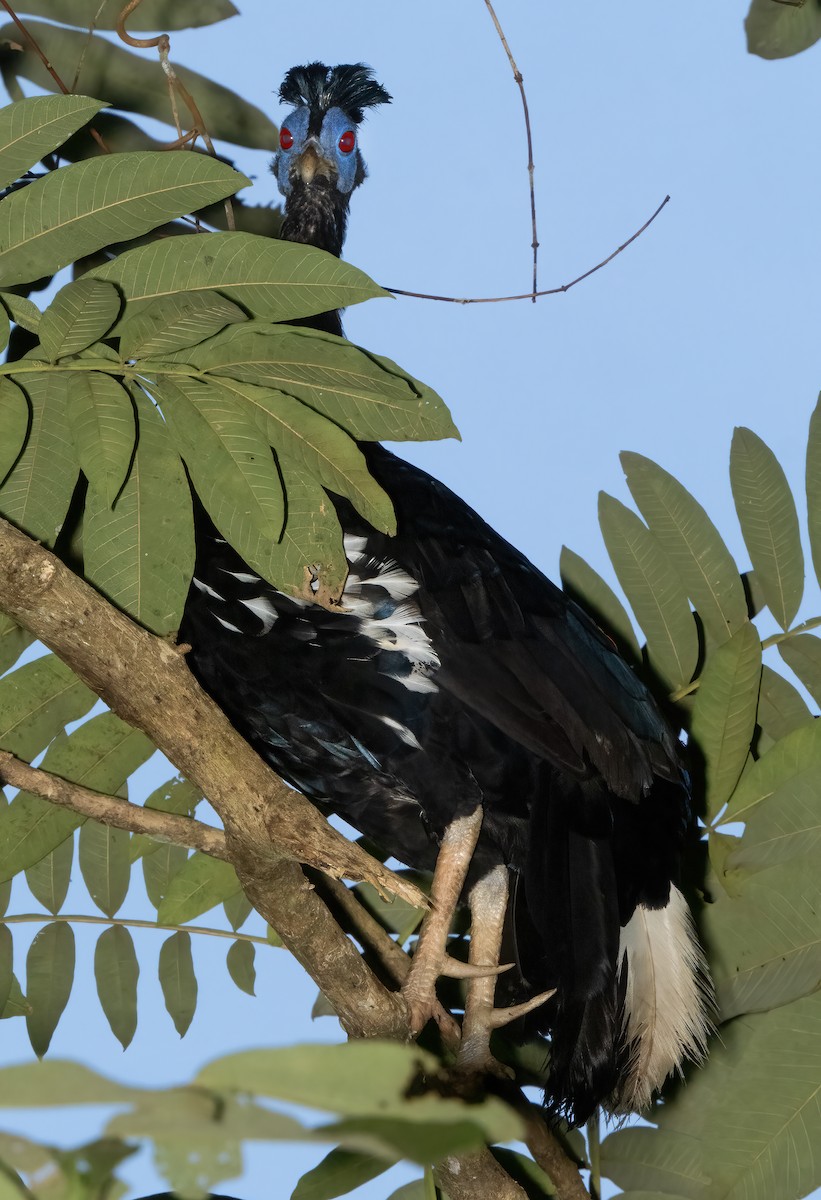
pixel 146 682
pixel 517 75
pixel 111 810
pixel 564 287
pixel 550 1156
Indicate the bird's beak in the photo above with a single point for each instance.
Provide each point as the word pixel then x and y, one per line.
pixel 312 163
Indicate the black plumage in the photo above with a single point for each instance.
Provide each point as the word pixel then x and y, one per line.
pixel 455 675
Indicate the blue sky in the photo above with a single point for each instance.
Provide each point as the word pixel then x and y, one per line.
pixel 709 321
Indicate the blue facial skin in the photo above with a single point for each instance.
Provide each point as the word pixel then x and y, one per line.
pixel 335 124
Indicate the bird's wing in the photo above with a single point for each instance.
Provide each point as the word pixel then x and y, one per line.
pixel 517 651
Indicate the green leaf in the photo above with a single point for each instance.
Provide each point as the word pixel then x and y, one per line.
pixel 769 523
pixel 5 888
pixel 692 543
pixel 765 941
pixel 647 1161
pixel 151 14
pixel 318 446
pixel 320 1077
pixel 80 314
pixel 309 561
pixel 171 322
pixel 100 754
pixel 199 885
pixel 16 1005
pixel 5 329
pixel 779 30
pixel 802 654
pixel 36 702
pixel 339 1173
pixel 778 802
pixel 49 978
pixel 724 713
pixel 240 963
pixel 160 868
pixel 754 1118
pixel 238 909
pixel 653 589
pixel 105 864
pixel 87 206
pixel 230 462
pixel 178 981
pixel 420 1141
pixel 14 424
pixel 369 397
pixel 32 128
pixel 176 796
pixel 21 310
pixel 6 965
pixel 13 641
pixel 48 879
pixel 116 971
pixel 275 280
pixel 48 1084
pixel 527 1173
pixel 415 1190
pixel 814 485
pixel 780 706
pixel 393 914
pixel 101 419
pixel 36 495
pixel 140 553
pixel 587 588
pixel 135 83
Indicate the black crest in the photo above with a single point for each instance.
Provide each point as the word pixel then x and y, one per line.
pixel 350 86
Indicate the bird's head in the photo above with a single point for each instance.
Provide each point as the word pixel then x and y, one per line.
pixel 318 140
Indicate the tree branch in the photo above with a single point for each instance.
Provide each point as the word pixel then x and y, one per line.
pixel 267 826
pixel 111 810
pixel 146 682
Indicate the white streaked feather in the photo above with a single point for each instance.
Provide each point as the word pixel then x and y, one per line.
pixel 205 589
pixel 242 576
pixel 667 1001
pixel 403 733
pixel 262 607
pixel 227 624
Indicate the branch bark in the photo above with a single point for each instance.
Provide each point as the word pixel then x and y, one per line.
pixel 269 828
pixel 112 810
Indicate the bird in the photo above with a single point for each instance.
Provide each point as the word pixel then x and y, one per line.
pixel 464 713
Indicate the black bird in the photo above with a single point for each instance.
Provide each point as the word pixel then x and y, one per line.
pixel 457 697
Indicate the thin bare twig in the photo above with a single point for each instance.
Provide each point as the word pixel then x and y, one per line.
pixel 565 287
pixel 517 75
pixel 162 43
pixel 112 810
pixel 89 35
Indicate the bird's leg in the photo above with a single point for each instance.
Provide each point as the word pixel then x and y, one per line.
pixel 430 959
pixel 488 906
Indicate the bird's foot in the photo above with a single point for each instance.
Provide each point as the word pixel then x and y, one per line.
pixel 481 1019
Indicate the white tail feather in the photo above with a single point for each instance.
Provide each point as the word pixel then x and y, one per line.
pixel 668 998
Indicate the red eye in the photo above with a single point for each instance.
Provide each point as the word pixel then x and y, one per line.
pixel 286 138
pixel 347 141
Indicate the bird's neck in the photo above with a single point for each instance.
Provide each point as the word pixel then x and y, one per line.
pixel 317 216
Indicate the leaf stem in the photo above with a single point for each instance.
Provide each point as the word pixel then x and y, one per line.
pixel 774 639
pixel 130 923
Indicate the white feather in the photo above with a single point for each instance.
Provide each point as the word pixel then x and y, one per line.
pixel 667 1001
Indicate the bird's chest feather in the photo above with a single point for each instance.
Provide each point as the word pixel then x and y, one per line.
pixel 326 695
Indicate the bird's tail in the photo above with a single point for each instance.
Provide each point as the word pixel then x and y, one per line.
pixel 631 1003
pixel 667 1000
